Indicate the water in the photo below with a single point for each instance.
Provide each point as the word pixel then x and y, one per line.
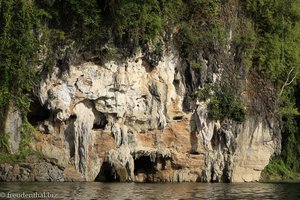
pixel 85 191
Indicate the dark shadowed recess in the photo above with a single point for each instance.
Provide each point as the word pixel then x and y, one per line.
pixel 37 113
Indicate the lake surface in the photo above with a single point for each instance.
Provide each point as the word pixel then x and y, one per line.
pixel 94 190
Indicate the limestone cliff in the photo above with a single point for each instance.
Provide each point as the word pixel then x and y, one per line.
pixel 126 120
pixel 148 91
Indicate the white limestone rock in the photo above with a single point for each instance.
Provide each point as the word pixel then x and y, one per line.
pixel 13 126
pixel 128 99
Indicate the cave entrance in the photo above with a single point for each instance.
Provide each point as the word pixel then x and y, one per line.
pixel 144 165
pixel 100 122
pixel 106 174
pixel 37 113
pixel 178 118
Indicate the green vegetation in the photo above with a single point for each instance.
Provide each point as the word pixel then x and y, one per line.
pixel 28 134
pixel 226 105
pixel 4 137
pixel 291 144
pixel 73 19
pixel 278 170
pixel 138 22
pixel 21 157
pixel 278 167
pixel 19 47
pixel 275 23
pixel 223 103
pixel 204 93
pixel 277 57
pixel 18 53
pixel 245 43
pixel 200 29
pixel 276 38
pixel 111 54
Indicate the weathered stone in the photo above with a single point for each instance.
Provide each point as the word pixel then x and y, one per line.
pixel 40 171
pixel 13 125
pixel 122 163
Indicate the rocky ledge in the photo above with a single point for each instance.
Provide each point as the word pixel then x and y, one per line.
pixel 35 170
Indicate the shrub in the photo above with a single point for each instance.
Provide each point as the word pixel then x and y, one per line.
pixel 225 105
pixel 204 93
pixel 19 49
pixel 137 21
pixel 277 169
pixel 78 20
pixel 215 109
pixel 4 146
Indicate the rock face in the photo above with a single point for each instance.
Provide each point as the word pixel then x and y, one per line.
pixel 44 171
pixel 13 124
pixel 130 121
pixel 233 152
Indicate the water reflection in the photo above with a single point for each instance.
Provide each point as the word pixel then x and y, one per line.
pixel 158 191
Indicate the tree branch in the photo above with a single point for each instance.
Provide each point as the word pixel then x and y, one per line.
pixel 288 81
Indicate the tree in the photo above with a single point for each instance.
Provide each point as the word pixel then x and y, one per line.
pixel 18 52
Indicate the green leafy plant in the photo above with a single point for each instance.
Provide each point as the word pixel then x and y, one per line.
pixel 112 54
pixel 28 133
pixel 277 167
pixel 4 146
pixel 78 20
pixel 138 22
pixel 18 52
pixel 222 103
pixel 275 33
pixel 204 93
pixel 225 105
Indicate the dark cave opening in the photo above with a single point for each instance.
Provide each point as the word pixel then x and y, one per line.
pixel 225 176
pixel 176 84
pixel 99 126
pixel 177 118
pixel 100 123
pixel 143 164
pixel 194 153
pixel 106 174
pixel 214 140
pixel 73 117
pixel 37 113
